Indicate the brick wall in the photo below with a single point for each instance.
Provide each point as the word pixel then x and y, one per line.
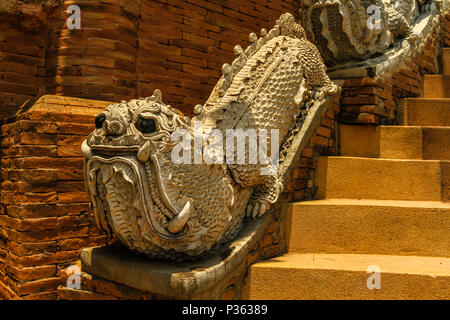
pixel 183 53
pixel 22 61
pixel 126 49
pixel 97 61
pixel 44 215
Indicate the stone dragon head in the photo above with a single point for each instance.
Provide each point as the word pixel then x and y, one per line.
pixel 139 194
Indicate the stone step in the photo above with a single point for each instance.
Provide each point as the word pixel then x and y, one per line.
pixel 446 61
pixel 296 276
pixel 369 226
pixel 436 86
pixel 436 143
pixel 395 142
pixel 425 112
pixel 381 179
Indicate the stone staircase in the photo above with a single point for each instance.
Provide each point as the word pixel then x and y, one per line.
pixel 382 205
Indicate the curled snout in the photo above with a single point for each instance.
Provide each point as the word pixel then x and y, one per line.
pixel 113 128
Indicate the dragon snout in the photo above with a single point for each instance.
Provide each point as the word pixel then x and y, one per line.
pixel 113 128
pixel 111 122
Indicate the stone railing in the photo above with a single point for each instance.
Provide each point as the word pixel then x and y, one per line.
pixel 373 88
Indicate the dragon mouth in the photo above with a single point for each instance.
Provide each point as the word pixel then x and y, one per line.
pixel 120 183
pixel 141 152
pixel 109 151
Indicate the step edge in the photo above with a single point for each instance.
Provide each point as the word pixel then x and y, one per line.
pixel 371 260
pixel 384 159
pixel 373 202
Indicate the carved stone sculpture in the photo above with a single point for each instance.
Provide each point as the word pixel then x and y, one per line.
pixel 181 211
pixel 346 30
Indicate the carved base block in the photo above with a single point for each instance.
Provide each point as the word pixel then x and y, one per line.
pixel 114 272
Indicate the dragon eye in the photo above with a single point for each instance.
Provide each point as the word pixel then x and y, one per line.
pixel 146 125
pixel 99 121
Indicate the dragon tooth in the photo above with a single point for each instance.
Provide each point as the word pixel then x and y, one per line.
pixel 177 224
pixel 86 150
pixel 144 152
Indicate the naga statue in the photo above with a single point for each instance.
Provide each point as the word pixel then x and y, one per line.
pixel 179 211
pixel 345 30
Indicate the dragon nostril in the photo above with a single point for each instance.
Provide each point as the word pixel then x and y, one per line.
pixel 99 120
pixel 114 128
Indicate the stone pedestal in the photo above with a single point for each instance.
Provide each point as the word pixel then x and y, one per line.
pixel 114 272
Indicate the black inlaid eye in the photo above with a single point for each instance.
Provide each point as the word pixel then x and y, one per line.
pixel 146 125
pixel 99 121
